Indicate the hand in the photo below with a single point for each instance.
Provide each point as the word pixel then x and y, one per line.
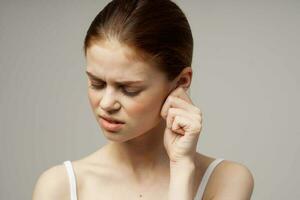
pixel 183 126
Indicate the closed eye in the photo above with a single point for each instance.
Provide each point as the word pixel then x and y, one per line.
pixel 125 91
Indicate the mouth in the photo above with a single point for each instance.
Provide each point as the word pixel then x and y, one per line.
pixel 111 120
pixel 110 126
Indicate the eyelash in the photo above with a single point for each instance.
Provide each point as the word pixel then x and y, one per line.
pixel 96 86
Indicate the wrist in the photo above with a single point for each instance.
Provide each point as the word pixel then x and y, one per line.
pixel 188 162
pixel 182 179
pixel 182 170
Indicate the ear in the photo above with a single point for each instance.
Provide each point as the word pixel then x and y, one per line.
pixel 184 79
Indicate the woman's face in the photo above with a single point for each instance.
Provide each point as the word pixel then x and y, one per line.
pixel 138 104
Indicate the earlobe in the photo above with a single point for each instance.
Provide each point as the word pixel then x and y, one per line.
pixel 184 82
pixel 185 78
pixel 184 85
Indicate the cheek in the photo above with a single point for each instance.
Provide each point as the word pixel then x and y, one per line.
pixel 145 109
pixel 92 98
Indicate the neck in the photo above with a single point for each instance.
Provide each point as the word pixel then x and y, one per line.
pixel 143 155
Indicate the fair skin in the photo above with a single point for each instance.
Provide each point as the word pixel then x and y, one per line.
pixel 132 147
pixel 135 159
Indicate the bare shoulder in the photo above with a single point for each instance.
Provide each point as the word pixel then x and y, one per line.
pixel 52 184
pixel 203 161
pixel 230 180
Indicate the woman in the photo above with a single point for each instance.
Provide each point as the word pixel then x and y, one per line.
pixel 139 55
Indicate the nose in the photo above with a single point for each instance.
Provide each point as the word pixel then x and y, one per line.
pixel 108 101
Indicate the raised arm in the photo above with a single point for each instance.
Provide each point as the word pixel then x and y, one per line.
pixel 182 177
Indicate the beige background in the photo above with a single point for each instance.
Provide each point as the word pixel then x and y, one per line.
pixel 246 81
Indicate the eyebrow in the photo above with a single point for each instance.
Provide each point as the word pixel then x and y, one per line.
pixel 118 82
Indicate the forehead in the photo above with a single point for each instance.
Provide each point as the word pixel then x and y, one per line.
pixel 116 61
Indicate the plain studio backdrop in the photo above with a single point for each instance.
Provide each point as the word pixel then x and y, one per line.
pixel 246 82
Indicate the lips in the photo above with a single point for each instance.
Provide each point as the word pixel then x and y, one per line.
pixel 109 126
pixel 112 120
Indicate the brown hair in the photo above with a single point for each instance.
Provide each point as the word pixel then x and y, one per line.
pixel 157 30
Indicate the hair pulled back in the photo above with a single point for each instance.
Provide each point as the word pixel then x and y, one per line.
pixel 157 30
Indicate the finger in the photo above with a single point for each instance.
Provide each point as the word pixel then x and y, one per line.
pixel 180 124
pixel 173 112
pixel 181 93
pixel 177 102
pixel 183 125
pixel 186 123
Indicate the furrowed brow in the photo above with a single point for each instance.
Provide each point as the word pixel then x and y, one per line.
pixel 92 76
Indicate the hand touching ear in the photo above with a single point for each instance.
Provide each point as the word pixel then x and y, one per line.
pixel 183 125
